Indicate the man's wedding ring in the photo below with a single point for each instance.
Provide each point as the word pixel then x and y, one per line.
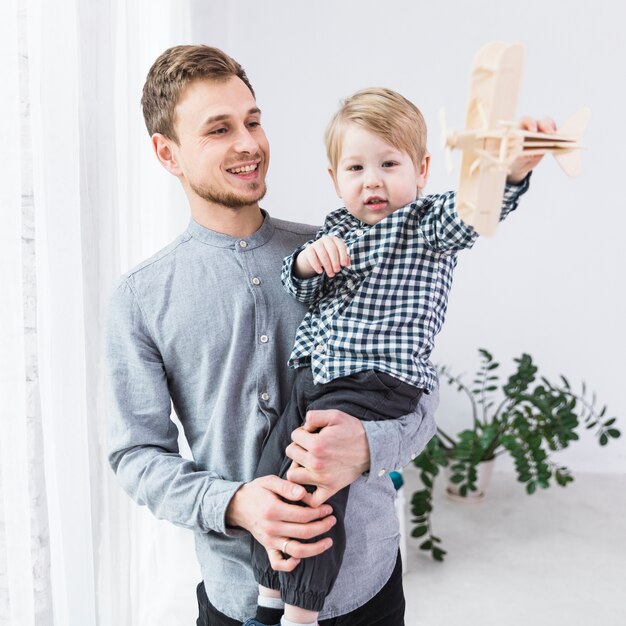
pixel 284 548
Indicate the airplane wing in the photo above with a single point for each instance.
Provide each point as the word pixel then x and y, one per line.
pixel 494 88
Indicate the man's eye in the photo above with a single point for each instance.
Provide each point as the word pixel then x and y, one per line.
pixel 254 124
pixel 218 131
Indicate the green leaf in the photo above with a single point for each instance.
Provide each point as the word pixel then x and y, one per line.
pixel 613 432
pixel 485 354
pixel 419 531
pixel 438 554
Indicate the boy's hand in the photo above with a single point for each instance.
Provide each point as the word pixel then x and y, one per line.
pixel 524 164
pixel 328 254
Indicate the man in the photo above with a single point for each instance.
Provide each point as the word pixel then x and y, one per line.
pixel 206 325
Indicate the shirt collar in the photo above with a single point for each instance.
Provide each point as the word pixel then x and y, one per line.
pixel 220 240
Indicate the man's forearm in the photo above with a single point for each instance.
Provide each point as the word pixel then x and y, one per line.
pixel 173 488
pixel 394 443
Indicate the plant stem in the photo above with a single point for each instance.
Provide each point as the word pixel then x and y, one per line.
pixel 447 437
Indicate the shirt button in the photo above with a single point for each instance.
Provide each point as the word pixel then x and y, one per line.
pixel 350 284
pixel 319 348
pixel 359 232
pixel 256 281
pixel 243 244
pixel 264 338
pixel 265 396
pixel 382 472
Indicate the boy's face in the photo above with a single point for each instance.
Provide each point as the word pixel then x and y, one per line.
pixel 373 178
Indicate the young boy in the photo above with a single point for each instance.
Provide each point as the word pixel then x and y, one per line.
pixel 377 278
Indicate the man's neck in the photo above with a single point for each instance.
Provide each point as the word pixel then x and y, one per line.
pixel 240 222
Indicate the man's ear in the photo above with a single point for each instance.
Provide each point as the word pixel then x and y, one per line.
pixel 165 150
pixel 422 173
pixel 334 177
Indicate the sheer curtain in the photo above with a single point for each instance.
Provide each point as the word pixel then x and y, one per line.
pixel 82 200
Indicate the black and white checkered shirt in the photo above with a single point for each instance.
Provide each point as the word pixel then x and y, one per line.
pixel 384 310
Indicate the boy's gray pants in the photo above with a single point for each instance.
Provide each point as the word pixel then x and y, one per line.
pixel 369 396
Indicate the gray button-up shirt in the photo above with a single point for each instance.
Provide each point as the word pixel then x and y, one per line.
pixel 206 325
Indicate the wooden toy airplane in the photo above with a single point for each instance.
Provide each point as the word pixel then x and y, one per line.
pixel 491 141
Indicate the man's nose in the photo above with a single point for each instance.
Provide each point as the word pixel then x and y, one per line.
pixel 245 142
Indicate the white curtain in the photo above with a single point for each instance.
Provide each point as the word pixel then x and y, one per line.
pixel 82 199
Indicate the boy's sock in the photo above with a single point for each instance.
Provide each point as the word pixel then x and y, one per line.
pixel 269 610
pixel 285 622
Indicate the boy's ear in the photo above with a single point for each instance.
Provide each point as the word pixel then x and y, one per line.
pixel 422 173
pixel 165 151
pixel 332 175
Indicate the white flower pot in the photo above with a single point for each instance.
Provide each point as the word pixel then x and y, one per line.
pixel 484 471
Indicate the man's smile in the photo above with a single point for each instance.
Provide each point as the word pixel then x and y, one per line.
pixel 247 171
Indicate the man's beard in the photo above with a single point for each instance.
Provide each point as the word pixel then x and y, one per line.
pixel 230 200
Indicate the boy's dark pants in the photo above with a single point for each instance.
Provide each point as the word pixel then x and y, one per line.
pixel 368 396
pixel 386 608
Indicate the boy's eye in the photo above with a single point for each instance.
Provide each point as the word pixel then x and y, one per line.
pixel 389 164
pixel 355 168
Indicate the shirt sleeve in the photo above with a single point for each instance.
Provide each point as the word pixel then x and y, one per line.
pixel 394 443
pixel 443 229
pixel 142 438
pixel 304 289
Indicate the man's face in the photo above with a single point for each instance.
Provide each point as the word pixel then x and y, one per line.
pixel 374 178
pixel 222 152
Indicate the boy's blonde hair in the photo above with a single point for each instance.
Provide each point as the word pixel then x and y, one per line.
pixel 383 112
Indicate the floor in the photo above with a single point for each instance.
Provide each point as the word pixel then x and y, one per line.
pixel 556 558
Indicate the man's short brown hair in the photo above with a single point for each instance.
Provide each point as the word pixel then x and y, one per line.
pixel 384 113
pixel 172 72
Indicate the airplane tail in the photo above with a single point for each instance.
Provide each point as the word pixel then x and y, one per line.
pixel 571 162
pixel 576 125
pixel 574 128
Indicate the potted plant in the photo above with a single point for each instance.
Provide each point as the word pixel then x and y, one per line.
pixel 526 416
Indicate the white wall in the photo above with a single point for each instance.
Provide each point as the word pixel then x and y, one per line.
pixel 551 282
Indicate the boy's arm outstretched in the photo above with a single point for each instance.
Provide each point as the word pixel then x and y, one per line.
pixel 441 226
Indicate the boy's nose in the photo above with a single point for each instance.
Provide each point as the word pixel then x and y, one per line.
pixel 372 181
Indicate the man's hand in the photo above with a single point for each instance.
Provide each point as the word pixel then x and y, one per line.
pixel 331 458
pixel 328 254
pixel 524 164
pixel 257 506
